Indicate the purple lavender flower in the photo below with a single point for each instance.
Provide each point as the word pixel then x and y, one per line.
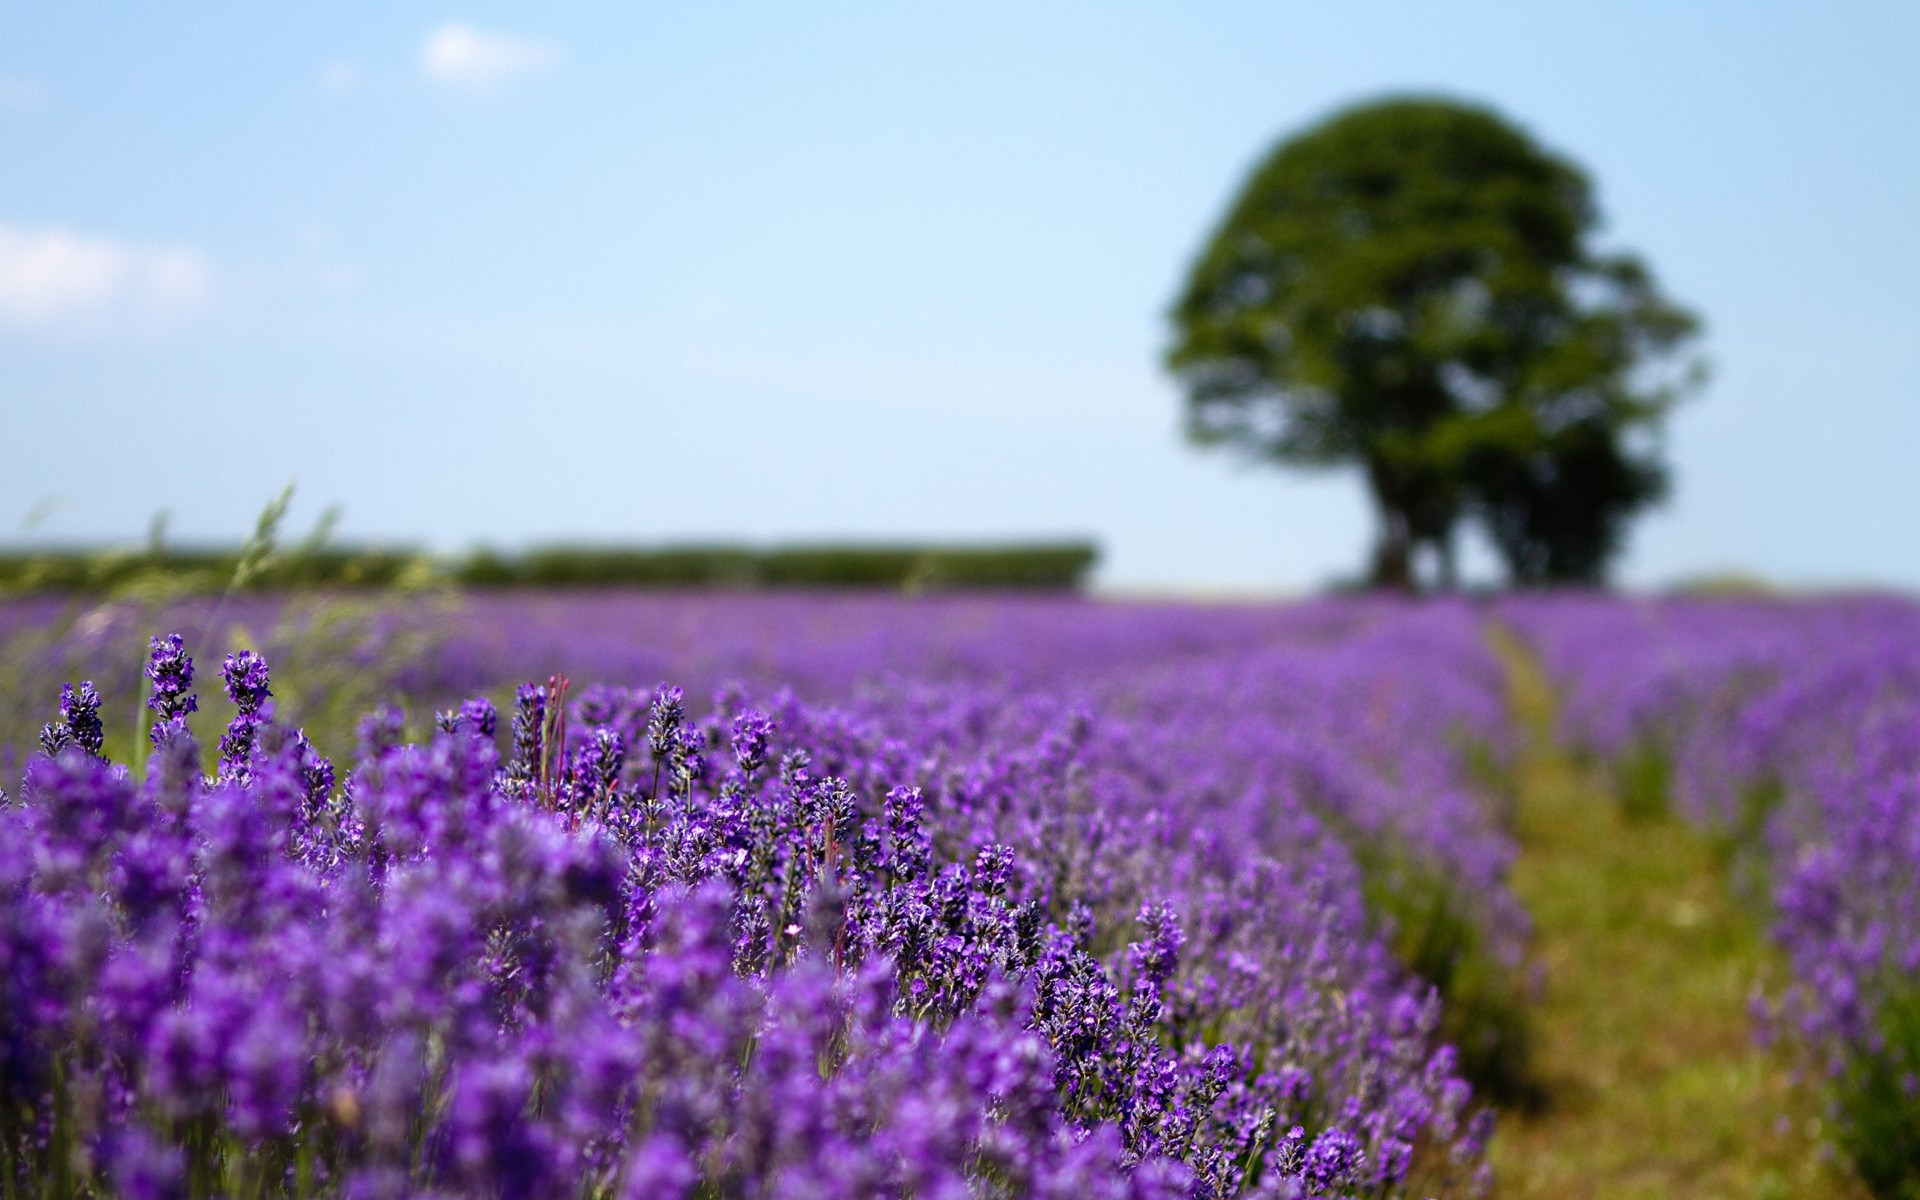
pixel 751 731
pixel 476 717
pixel 664 717
pixel 1155 959
pixel 479 716
pixel 659 1170
pixel 267 1066
pixel 1290 1156
pixel 495 1147
pixel 908 845
pixel 79 723
pixel 1334 1160
pixel 170 670
pixel 600 762
pixel 55 737
pixel 143 1168
pixel 529 733
pixel 381 730
pixel 245 675
pixel 837 977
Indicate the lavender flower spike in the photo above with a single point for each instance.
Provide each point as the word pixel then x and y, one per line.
pixel 170 668
pixel 245 674
pixel 79 723
pixel 81 712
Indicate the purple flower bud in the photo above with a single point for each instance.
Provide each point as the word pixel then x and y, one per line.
pixel 599 762
pixel 55 737
pixel 144 1169
pixel 1155 959
pixel 1334 1160
pixel 751 731
pixel 80 713
pixel 245 674
pixel 659 1170
pixel 496 1146
pixel 170 669
pixel 993 869
pixel 908 844
pixel 479 716
pixel 380 731
pixel 529 732
pixel 664 717
pixel 1290 1156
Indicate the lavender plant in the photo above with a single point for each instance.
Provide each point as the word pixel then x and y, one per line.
pixel 79 723
pixel 963 942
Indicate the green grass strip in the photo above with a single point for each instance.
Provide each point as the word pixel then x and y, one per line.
pixel 1641 1038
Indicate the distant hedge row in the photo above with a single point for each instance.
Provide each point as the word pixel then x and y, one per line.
pixel 208 570
pixel 906 568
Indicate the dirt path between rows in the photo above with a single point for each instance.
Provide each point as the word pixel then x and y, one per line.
pixel 1642 1041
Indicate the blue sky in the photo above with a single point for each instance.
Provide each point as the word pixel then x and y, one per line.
pixel 767 271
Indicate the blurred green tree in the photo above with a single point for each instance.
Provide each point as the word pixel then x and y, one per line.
pixel 1411 286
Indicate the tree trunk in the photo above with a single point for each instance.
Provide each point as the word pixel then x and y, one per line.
pixel 1393 555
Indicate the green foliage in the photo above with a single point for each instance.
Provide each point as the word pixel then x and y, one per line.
pixel 336 651
pixel 337 656
pixel 34 660
pixel 265 566
pixel 1483 1012
pixel 1643 776
pixel 1879 1100
pixel 1555 497
pixel 263 544
pixel 171 572
pixel 1742 850
pixel 1409 287
pixel 905 568
pixel 569 566
pixel 1491 772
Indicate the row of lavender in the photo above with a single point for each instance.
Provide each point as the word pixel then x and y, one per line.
pixel 950 898
pixel 1792 731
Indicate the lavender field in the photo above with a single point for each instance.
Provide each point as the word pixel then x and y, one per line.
pixel 677 895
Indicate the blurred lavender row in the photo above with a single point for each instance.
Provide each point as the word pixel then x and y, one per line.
pixel 1791 731
pixel 936 897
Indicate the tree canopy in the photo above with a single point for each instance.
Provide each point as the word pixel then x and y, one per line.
pixel 1411 286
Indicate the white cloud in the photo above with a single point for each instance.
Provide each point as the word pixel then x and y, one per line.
pixel 461 56
pixel 339 77
pixel 58 281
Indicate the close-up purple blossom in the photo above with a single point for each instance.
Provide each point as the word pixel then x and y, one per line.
pixel 170 672
pixel 79 723
pixel 245 675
